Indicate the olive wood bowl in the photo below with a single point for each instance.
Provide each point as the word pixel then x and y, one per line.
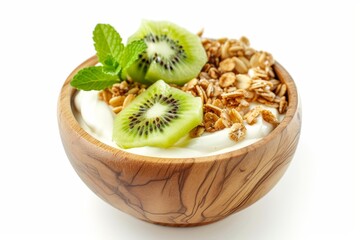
pixel 180 191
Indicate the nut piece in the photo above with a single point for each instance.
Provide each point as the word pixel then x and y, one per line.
pixel 134 90
pixel 117 101
pixel 128 99
pixel 124 85
pixel 237 132
pixel 105 96
pixel 117 109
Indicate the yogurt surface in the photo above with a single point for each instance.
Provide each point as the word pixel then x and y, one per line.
pixel 97 118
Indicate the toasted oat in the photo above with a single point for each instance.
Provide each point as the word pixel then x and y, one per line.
pixel 210 90
pixel 235 116
pixel 227 79
pixel 224 53
pixel 200 33
pixel 218 103
pixel 259 84
pixel 251 116
pixel 244 41
pixel 227 65
pixel 219 124
pixel 258 73
pixel 201 93
pixel 240 65
pixel 210 117
pixel 237 132
pixel 275 83
pixel 213 108
pixel 226 120
pixel 236 49
pixel 268 103
pixel 281 90
pixel 197 131
pixel 204 83
pixel 270 96
pixel 234 94
pixel 191 84
pixel 214 73
pixel 217 90
pixel 282 105
pixel 269 117
pixel 261 59
pixel 243 81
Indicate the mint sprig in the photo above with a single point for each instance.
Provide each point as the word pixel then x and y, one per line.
pixel 114 57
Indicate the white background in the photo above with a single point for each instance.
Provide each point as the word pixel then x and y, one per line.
pixel 41 42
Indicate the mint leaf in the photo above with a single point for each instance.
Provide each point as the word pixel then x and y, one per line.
pixel 93 78
pixel 131 53
pixel 107 42
pixel 111 66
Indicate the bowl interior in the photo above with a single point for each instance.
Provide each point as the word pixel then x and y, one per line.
pixel 66 103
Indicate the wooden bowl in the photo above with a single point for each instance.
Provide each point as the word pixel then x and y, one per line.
pixel 180 191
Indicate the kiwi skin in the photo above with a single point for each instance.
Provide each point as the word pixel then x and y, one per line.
pixel 158 117
pixel 174 54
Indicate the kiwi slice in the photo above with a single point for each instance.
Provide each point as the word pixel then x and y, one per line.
pixel 173 54
pixel 158 117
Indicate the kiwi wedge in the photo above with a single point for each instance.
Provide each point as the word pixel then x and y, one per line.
pixel 173 54
pixel 158 117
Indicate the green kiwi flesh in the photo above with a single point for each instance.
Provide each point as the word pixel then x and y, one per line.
pixel 173 54
pixel 158 117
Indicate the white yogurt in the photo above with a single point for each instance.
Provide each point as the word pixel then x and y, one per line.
pixel 96 118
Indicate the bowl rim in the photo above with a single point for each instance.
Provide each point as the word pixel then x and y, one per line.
pixel 65 109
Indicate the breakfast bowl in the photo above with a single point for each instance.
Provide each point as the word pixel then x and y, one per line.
pixel 187 191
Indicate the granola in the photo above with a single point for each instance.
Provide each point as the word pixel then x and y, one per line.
pixel 234 76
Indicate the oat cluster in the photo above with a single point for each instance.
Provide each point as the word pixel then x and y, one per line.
pixel 234 76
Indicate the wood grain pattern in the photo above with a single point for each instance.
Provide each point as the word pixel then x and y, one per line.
pixel 180 192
